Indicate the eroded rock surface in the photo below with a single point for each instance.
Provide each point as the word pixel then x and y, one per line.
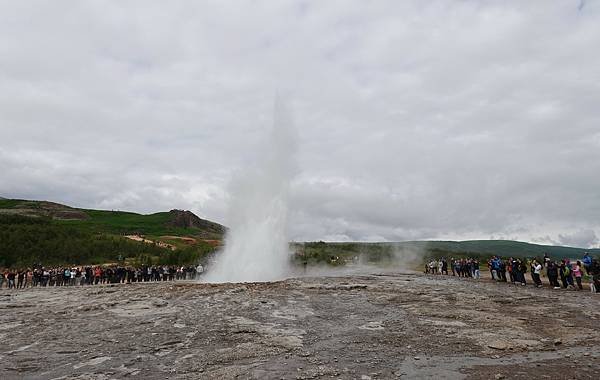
pixel 369 326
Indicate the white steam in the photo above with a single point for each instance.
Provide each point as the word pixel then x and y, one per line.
pixel 256 245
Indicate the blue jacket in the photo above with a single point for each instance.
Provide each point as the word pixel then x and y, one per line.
pixel 496 264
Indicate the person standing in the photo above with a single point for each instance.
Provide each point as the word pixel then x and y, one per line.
pixel 66 276
pixel 595 273
pixel 21 279
pixel 523 270
pixel 494 267
pixel 28 278
pixel 45 277
pixel 11 279
pixel 563 272
pixel 535 273
pixel 502 270
pixel 516 271
pixel 569 274
pixel 431 266
pixel 35 277
pixel 577 273
pixel 552 273
pixel 97 275
pixel 476 272
pixel 587 262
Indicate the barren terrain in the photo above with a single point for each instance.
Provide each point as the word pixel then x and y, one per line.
pixel 375 326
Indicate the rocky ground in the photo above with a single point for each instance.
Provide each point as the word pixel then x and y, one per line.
pixel 375 326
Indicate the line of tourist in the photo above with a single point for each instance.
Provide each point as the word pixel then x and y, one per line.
pixel 460 267
pixel 94 275
pixel 514 270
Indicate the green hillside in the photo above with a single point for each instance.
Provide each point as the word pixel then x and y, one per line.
pixel 415 252
pixel 174 222
pixel 52 233
pixel 503 248
pixel 47 233
pixel 120 222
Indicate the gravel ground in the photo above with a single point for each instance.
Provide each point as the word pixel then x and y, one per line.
pixel 375 326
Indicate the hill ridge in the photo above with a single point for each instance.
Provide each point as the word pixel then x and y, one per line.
pixel 175 222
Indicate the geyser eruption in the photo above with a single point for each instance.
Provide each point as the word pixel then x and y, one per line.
pixel 256 245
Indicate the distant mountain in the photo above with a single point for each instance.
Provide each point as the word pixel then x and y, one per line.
pixel 49 233
pixel 415 251
pixel 40 230
pixel 503 248
pixel 172 223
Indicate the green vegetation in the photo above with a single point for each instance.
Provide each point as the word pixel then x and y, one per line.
pixel 415 252
pixel 343 253
pixel 115 222
pixel 120 222
pixel 51 233
pixel 9 203
pixel 33 232
pixel 504 248
pixel 26 241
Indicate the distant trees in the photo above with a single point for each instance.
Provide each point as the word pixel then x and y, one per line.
pixel 27 241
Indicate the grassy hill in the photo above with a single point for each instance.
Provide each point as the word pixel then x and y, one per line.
pixel 51 233
pixel 172 223
pixel 416 252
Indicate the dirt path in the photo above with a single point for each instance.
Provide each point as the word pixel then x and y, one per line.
pixel 378 326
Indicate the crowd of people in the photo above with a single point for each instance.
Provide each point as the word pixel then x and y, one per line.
pixel 460 267
pixel 514 270
pixel 93 275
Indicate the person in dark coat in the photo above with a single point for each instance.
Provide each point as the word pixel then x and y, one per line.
pixel 552 273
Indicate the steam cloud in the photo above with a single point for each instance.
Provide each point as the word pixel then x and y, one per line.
pixel 256 246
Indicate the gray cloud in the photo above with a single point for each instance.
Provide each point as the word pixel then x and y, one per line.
pixel 582 238
pixel 417 120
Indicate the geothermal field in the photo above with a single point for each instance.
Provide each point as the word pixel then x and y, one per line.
pixel 368 326
pixel 303 162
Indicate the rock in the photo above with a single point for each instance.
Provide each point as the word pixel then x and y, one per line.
pixel 498 345
pixel 557 341
pixel 187 219
pixel 417 358
pixel 499 376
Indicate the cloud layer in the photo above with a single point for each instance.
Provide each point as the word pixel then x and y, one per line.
pixel 416 120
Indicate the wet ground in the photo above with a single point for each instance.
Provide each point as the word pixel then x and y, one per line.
pixel 376 326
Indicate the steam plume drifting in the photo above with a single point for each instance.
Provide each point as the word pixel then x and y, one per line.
pixel 256 246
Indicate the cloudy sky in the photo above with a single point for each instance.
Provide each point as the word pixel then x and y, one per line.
pixel 415 119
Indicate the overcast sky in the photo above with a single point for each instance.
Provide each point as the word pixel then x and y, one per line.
pixel 415 119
